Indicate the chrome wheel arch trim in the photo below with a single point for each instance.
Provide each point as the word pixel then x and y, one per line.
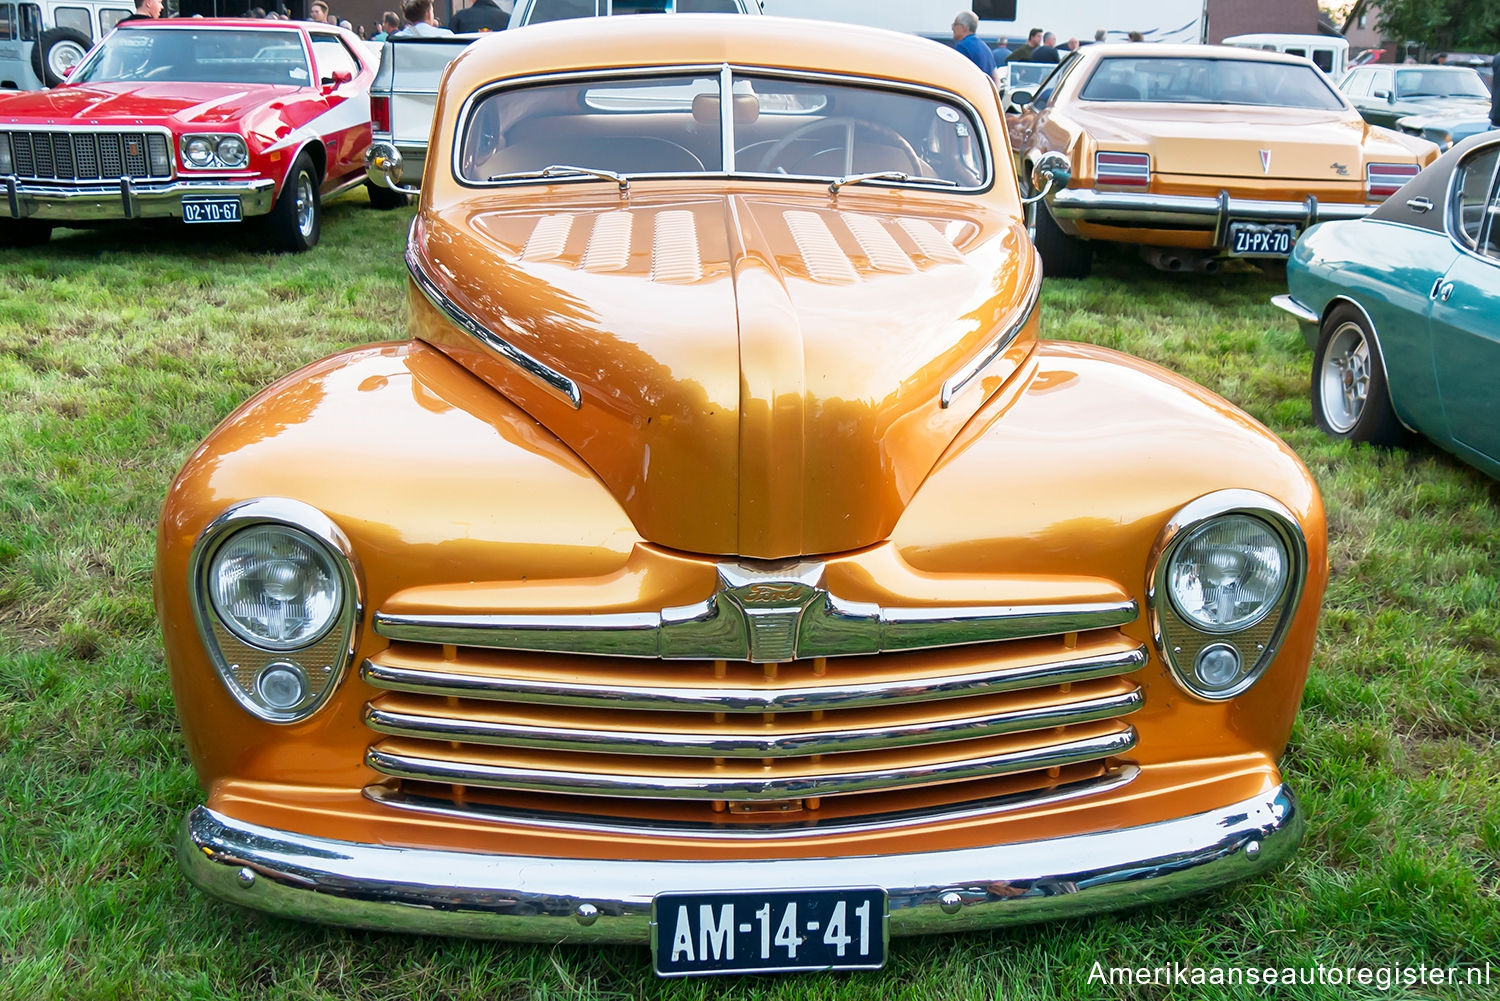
pixel 971 370
pixel 538 899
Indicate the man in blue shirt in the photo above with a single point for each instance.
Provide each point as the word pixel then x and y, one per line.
pixel 965 24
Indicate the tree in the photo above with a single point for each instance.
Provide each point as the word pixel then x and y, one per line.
pixel 1441 24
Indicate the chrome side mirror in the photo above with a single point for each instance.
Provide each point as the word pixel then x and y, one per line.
pixel 383 167
pixel 1018 99
pixel 1053 170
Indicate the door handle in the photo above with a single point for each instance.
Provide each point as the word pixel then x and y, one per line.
pixel 1445 291
pixel 1419 204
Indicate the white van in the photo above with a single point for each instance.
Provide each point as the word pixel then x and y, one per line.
pixel 1329 53
pixel 40 42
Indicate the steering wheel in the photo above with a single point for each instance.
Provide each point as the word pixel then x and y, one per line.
pixel 850 125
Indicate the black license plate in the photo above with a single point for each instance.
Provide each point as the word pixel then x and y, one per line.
pixel 211 210
pixel 1261 239
pixel 768 931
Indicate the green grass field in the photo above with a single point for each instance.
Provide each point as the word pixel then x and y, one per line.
pixel 120 350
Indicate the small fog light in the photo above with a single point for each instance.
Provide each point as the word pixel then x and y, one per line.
pixel 281 687
pixel 1218 666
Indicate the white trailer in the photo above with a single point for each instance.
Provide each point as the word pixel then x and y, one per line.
pixel 1160 21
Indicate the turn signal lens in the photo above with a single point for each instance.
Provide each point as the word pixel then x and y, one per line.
pixel 6 165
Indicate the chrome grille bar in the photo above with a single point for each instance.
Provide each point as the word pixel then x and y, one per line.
pixel 728 698
pixel 748 745
pixel 807 825
pixel 409 764
pixel 87 154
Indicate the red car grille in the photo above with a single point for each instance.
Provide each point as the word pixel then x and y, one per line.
pixel 88 156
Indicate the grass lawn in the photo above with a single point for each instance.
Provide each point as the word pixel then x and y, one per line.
pixel 120 350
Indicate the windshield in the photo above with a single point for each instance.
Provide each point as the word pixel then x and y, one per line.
pixel 672 124
pixel 1458 82
pixel 1163 80
pixel 201 55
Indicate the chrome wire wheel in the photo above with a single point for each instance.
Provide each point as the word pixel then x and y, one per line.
pixel 1345 377
pixel 306 214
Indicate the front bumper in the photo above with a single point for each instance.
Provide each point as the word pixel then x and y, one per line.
pixel 548 899
pixel 1195 212
pixel 1307 320
pixel 127 199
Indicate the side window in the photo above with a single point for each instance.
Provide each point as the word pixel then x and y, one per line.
pixel 1383 82
pixel 76 18
pixel 7 21
pixel 109 17
pixel 31 22
pixel 560 10
pixel 1356 84
pixel 1323 59
pixel 1489 244
pixel 1474 201
pixel 332 56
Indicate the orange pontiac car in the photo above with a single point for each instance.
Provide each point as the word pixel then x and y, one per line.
pixel 1198 152
pixel 725 562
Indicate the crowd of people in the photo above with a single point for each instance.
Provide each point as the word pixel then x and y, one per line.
pixel 417 19
pixel 1040 46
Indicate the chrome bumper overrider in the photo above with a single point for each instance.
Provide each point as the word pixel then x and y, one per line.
pixel 1195 211
pixel 546 899
pixel 1307 320
pixel 127 199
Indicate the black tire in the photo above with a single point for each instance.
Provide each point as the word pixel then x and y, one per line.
pixel 296 219
pixel 1350 398
pixel 384 198
pixel 24 232
pixel 56 49
pixel 1063 256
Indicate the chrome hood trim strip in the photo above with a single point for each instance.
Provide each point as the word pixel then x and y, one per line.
pixel 771 698
pixel 970 371
pixel 548 377
pixel 542 899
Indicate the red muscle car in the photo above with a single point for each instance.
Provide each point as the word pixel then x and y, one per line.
pixel 207 121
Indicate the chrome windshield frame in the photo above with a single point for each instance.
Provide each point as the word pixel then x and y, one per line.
pixel 726 74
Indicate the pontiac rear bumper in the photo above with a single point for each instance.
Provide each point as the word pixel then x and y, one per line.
pixel 558 899
pixel 127 199
pixel 1195 212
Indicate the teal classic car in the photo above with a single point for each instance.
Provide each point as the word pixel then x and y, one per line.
pixel 1402 310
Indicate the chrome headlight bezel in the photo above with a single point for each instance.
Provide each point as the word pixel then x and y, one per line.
pixel 241 660
pixel 212 151
pixel 1179 640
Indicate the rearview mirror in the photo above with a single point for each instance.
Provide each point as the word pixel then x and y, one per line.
pixel 1020 98
pixel 383 167
pixel 1053 170
pixel 1384 95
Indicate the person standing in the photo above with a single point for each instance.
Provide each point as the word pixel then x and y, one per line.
pixel 965 23
pixel 145 10
pixel 318 12
pixel 1023 54
pixel 1047 51
pixel 421 22
pixel 390 23
pixel 1495 93
pixel 484 15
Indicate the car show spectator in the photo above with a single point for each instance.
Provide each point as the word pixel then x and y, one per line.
pixel 484 15
pixel 1001 52
pixel 145 10
pixel 1047 51
pixel 390 23
pixel 1136 36
pixel 1100 35
pixel 1023 54
pixel 318 12
pixel 421 21
pixel 965 24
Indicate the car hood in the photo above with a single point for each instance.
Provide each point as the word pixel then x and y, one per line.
pixel 1227 141
pixel 1445 105
pixel 758 375
pixel 140 103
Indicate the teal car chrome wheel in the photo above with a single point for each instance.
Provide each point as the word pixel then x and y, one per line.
pixel 1346 377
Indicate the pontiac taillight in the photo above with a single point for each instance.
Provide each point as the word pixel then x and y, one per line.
pixel 1382 180
pixel 1123 170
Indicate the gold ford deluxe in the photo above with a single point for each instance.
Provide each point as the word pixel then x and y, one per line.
pixel 725 562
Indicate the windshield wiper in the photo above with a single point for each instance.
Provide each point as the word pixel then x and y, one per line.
pixel 565 170
pixel 899 176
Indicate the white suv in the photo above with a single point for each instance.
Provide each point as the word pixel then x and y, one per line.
pixel 40 42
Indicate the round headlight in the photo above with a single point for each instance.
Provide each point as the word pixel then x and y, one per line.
pixel 274 587
pixel 199 151
pixel 231 150
pixel 1228 574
